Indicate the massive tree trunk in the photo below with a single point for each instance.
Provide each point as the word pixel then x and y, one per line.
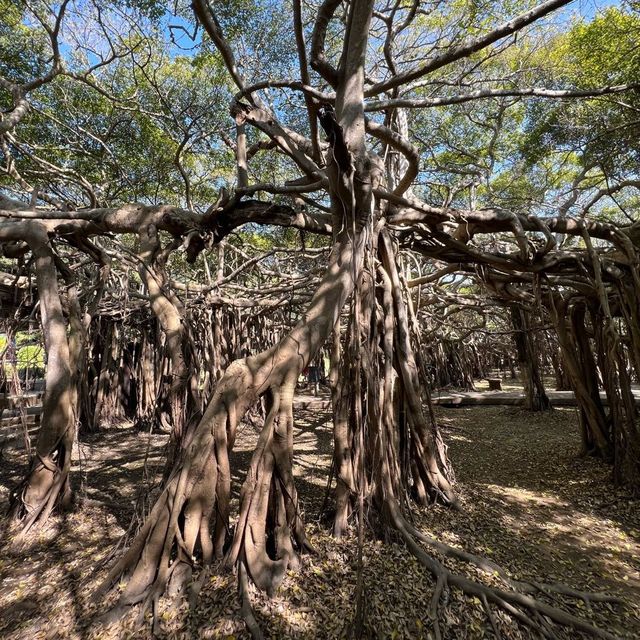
pixel 47 481
pixel 146 368
pixel 563 383
pixel 375 460
pixel 107 406
pixel 617 381
pixel 379 405
pixel 201 479
pixel 625 434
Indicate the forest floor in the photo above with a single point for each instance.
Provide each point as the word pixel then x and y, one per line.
pixel 527 502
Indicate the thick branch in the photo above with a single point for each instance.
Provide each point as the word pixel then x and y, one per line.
pixel 538 92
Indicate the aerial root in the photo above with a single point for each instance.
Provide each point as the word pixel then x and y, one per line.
pixel 246 610
pixel 492 619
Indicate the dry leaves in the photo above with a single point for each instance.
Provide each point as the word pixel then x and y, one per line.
pixel 527 502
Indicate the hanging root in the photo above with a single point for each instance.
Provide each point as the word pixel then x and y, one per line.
pixel 402 459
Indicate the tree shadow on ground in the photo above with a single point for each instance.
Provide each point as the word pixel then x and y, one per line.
pixel 530 504
pixel 527 503
pixel 49 594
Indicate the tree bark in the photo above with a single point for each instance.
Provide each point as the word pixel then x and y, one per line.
pixel 581 369
pixel 535 396
pixel 179 401
pixel 47 481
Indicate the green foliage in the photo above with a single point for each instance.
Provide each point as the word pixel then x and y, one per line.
pixel 525 153
pixel 28 337
pixel 603 52
pixel 30 357
pixel 23 48
pixel 28 353
pixel 131 155
pixel 153 9
pixel 145 120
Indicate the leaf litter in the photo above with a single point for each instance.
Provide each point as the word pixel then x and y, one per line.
pixel 527 502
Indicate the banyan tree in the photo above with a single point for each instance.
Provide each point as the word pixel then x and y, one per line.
pixel 335 133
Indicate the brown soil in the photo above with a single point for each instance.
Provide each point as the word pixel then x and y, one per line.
pixel 527 502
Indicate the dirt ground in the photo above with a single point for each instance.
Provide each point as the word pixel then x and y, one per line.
pixel 527 502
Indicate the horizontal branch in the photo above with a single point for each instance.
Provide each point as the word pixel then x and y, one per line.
pixel 286 84
pixel 417 103
pixel 178 222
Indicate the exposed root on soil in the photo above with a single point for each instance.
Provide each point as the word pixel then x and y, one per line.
pixel 518 601
pixel 245 604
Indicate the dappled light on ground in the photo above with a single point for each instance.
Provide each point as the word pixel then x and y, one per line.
pixel 528 502
pixel 531 504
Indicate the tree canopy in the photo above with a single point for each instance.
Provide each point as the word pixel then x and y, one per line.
pixel 255 186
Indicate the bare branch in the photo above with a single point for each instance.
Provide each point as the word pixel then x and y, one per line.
pixel 469 47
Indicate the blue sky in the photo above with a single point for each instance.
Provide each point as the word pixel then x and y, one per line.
pixel 588 8
pixel 585 9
